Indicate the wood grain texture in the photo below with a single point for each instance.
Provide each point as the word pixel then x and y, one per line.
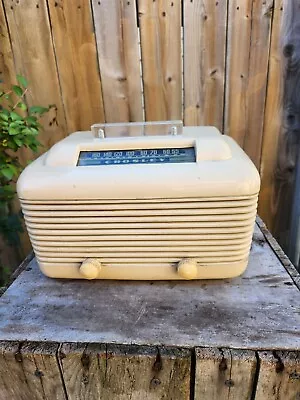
pixel 262 12
pixel 118 52
pixel 13 384
pixel 160 28
pixel 7 67
pixel 9 257
pixel 29 372
pixel 34 58
pixel 279 376
pixel 237 68
pixel 204 61
pixel 93 371
pixel 224 374
pixel 289 139
pixel 76 54
pixel 249 32
pixel 285 261
pixel 267 206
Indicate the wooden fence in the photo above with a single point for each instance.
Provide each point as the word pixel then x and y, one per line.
pixel 208 62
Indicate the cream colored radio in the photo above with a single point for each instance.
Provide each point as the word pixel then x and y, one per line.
pixel 176 203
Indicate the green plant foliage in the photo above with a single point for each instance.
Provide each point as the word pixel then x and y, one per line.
pixel 19 127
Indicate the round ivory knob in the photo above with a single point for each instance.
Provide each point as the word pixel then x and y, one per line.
pixel 90 268
pixel 187 268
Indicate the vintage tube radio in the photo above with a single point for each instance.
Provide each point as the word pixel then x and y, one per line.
pixel 141 201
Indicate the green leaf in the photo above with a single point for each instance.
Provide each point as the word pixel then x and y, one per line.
pixel 38 110
pixel 26 131
pixel 17 90
pixel 18 142
pixel 22 106
pixel 17 124
pixel 34 131
pixel 3 116
pixel 14 116
pixel 22 81
pixel 8 172
pixel 31 120
pixel 13 131
pixel 4 111
pixel 12 145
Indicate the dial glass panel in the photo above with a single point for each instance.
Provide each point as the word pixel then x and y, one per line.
pixel 138 156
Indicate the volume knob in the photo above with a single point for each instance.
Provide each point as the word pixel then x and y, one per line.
pixel 90 268
pixel 187 268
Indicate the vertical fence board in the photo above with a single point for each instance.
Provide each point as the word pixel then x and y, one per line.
pixel 267 206
pixel 279 376
pixel 237 68
pixel 289 141
pixel 284 168
pixel 118 52
pixel 76 54
pixel 204 61
pixel 224 374
pixel 7 67
pixel 249 30
pixel 34 58
pixel 160 27
pixel 262 13
pixel 127 372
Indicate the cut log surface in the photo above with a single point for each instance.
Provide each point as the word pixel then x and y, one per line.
pixel 255 311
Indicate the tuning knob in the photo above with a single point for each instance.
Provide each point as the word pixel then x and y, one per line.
pixel 187 268
pixel 90 268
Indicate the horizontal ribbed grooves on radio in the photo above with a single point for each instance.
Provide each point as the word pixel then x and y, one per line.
pixel 141 231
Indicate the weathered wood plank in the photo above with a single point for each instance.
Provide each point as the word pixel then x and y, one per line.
pixel 249 29
pixel 204 61
pixel 41 371
pixel 34 58
pixel 237 68
pixel 29 372
pixel 7 67
pixel 12 380
pixel 160 27
pixel 118 52
pixel 289 140
pixel 83 370
pixel 291 270
pixel 93 371
pixel 224 374
pixel 267 206
pixel 262 12
pixel 279 376
pixel 76 54
pixel 10 257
